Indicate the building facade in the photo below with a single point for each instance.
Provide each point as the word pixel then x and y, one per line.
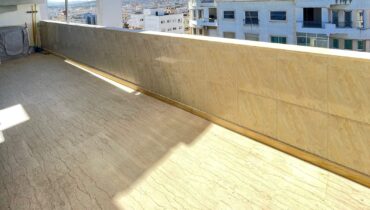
pixel 340 24
pixel 158 20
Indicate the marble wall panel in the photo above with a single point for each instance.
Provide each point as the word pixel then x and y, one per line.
pixel 302 79
pixel 257 113
pixel 318 102
pixel 303 128
pixel 258 74
pixel 349 89
pixel 348 143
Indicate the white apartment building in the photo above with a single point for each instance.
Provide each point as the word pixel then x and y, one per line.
pixel 158 20
pixel 341 24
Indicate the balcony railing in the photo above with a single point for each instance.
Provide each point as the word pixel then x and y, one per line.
pixel 210 20
pixel 344 24
pixel 313 24
pixel 205 22
pixel 343 1
pixel 351 24
pixel 207 1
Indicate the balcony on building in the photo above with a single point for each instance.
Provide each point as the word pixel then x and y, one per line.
pixel 312 18
pixel 205 17
pixel 342 2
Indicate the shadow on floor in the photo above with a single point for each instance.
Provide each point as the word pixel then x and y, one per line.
pixel 85 141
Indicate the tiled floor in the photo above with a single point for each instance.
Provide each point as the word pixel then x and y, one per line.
pixel 70 140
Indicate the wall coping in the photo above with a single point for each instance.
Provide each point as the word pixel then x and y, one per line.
pixel 285 47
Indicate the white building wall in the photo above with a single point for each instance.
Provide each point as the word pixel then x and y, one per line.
pixel 290 28
pixel 266 27
pixel 20 17
pixel 136 21
pixel 109 13
pixel 314 3
pixel 173 23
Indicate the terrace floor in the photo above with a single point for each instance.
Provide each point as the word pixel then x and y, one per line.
pixel 70 140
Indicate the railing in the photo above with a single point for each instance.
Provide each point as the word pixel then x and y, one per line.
pixel 348 24
pixel 206 21
pixel 312 24
pixel 351 24
pixel 343 1
pixel 210 20
pixel 207 1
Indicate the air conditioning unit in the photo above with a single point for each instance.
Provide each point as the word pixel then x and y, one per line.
pixel 13 42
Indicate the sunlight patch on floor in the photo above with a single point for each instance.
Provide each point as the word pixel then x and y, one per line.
pixel 224 170
pixel 116 84
pixel 2 139
pixel 10 117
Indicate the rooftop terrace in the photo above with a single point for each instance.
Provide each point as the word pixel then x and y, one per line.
pixel 85 133
pixel 87 143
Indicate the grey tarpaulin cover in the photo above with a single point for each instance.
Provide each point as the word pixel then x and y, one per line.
pixel 13 42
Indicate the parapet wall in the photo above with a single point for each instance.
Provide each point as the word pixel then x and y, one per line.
pixel 317 100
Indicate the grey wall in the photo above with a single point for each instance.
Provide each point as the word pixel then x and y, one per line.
pixel 10 8
pixel 17 2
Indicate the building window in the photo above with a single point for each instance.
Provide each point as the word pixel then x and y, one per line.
pixel 313 40
pixel 251 17
pixel 348 44
pixel 168 21
pixel 312 18
pixel 279 39
pixel 162 21
pixel 361 45
pixel 230 35
pixel 335 43
pixel 229 14
pixel 174 28
pixel 303 40
pixel 200 13
pixel 179 20
pixel 335 17
pixel 252 37
pixel 360 19
pixel 348 19
pixel 278 15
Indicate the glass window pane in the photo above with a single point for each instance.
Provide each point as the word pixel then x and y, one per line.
pixel 348 44
pixel 278 15
pixel 302 41
pixel 335 43
pixel 274 39
pixel 283 40
pixel 252 37
pixel 251 17
pixel 278 39
pixel 230 35
pixel 361 45
pixel 229 14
